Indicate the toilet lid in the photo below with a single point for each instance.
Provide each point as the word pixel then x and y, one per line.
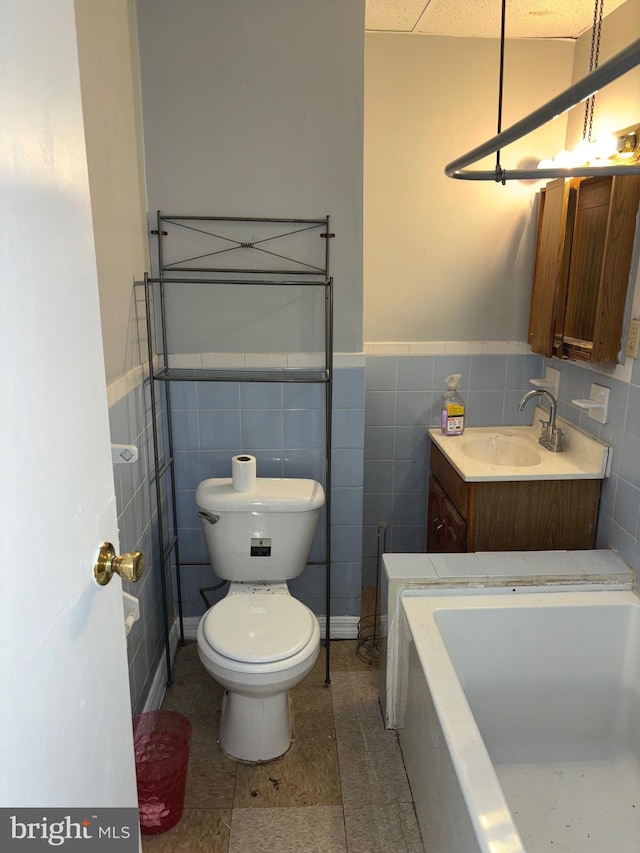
pixel 258 628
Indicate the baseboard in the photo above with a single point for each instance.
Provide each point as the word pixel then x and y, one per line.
pixel 190 625
pixel 342 627
pixel 159 683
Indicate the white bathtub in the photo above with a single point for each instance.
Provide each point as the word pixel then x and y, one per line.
pixel 522 722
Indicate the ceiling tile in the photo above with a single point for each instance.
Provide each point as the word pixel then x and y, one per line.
pixel 481 18
pixel 394 15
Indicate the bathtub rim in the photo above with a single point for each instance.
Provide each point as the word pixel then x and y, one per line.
pixel 501 571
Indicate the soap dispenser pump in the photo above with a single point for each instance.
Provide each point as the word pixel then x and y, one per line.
pixel 452 409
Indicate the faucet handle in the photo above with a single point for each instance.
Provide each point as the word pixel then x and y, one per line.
pixel 556 439
pixel 544 433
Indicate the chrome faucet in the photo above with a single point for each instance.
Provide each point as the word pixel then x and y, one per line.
pixel 551 436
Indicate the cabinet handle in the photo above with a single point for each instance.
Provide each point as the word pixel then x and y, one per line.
pixel 438 527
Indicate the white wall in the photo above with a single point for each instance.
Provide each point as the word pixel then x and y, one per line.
pixel 107 51
pixel 617 106
pixel 444 259
pixel 255 109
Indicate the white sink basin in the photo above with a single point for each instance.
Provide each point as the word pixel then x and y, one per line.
pixel 499 449
pixel 513 453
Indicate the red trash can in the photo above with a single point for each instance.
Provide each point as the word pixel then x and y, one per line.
pixel 161 742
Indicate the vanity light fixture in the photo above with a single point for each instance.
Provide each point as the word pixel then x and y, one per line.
pixel 620 149
pixel 628 144
pixel 607 150
pixel 618 161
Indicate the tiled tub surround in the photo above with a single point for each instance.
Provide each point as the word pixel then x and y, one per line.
pixel 402 399
pixel 282 425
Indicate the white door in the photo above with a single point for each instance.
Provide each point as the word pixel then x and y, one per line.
pixel 65 715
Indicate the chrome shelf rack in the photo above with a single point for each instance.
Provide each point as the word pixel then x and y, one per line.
pixel 233 241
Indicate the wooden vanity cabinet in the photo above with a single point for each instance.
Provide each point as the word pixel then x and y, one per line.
pixel 533 515
pixel 586 230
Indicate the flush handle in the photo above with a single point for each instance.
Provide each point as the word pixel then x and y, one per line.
pixel 208 516
pixel 129 566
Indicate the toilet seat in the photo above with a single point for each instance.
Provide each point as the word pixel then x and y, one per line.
pixel 258 628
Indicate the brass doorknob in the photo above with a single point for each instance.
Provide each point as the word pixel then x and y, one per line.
pixel 129 566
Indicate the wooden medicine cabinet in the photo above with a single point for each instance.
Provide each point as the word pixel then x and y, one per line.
pixel 586 230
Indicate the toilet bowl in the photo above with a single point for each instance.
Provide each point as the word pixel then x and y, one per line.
pixel 259 641
pixel 258 646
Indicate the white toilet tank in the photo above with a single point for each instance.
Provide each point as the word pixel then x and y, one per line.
pixel 264 534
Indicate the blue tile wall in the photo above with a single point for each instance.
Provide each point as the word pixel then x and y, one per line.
pixel 403 399
pixel 130 423
pixel 380 466
pixel 283 426
pixel 619 516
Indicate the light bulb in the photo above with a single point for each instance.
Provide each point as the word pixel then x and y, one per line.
pixel 583 153
pixel 605 146
pixel 563 160
pixel 546 164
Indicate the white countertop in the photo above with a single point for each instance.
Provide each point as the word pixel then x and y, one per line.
pixel 583 457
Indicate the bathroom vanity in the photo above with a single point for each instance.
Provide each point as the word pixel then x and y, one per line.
pixel 497 489
pixel 508 516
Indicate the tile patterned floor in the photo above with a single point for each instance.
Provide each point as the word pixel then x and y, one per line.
pixel 341 787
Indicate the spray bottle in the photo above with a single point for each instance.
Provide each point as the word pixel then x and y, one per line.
pixel 452 409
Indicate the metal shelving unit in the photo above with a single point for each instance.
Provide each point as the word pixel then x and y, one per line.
pixel 233 241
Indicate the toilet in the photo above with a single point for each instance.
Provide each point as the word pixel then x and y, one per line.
pixel 259 641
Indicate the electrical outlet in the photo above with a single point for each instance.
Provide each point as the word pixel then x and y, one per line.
pixel 633 340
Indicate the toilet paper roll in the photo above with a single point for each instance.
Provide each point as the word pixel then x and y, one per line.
pixel 243 473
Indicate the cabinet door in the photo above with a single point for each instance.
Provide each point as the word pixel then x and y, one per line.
pixel 455 529
pixel 600 265
pixel 435 521
pixel 446 529
pixel 553 252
